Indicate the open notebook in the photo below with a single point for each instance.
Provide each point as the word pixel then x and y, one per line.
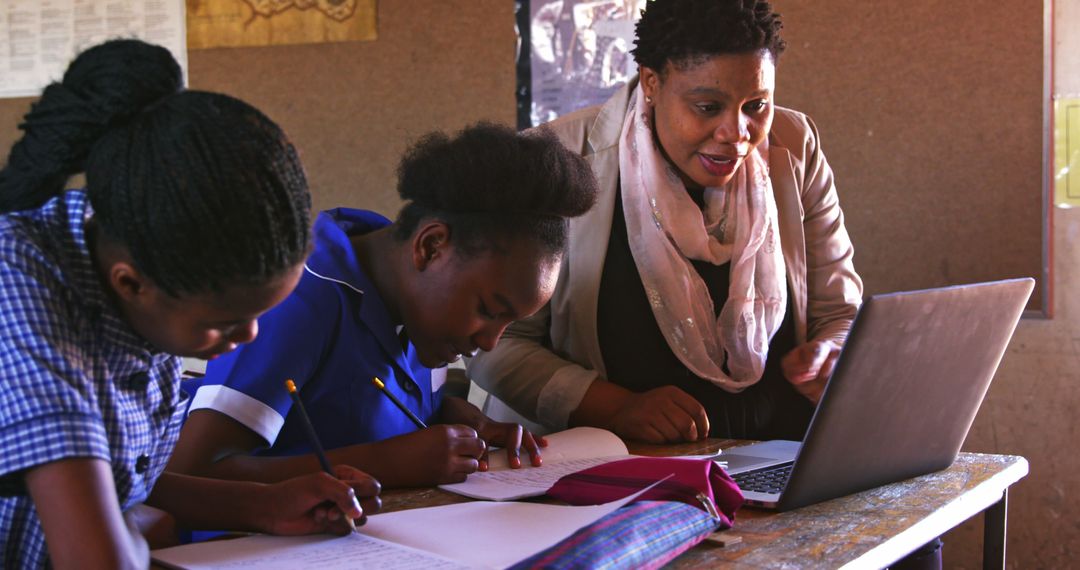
pixel 567 452
pixel 476 534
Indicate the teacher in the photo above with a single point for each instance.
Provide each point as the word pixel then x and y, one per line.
pixel 710 289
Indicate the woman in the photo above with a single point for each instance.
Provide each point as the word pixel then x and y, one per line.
pixel 194 222
pixel 710 290
pixel 478 244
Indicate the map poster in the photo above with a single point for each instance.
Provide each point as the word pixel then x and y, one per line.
pixel 574 54
pixel 242 23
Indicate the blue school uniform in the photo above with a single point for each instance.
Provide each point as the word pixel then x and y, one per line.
pixel 75 379
pixel 330 336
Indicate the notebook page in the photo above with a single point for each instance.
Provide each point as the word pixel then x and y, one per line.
pixel 450 537
pixel 486 534
pixel 289 552
pixel 567 452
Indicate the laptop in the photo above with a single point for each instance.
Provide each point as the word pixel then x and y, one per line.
pixel 900 401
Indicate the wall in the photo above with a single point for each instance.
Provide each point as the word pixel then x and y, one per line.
pixel 929 125
pixel 433 67
pixel 1030 408
pixel 352 108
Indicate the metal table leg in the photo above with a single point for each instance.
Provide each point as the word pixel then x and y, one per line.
pixel 994 533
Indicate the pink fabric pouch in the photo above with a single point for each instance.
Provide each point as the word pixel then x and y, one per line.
pixel 697 482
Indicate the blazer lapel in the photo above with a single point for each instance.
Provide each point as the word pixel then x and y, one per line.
pixel 790 217
pixel 589 236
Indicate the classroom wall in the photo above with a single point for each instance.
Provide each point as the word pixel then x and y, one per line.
pixel 351 109
pixel 909 98
pixel 1030 409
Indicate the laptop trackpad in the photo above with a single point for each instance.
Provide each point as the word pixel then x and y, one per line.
pixel 762 454
pixel 736 462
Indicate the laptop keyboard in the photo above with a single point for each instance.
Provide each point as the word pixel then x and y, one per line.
pixel 767 480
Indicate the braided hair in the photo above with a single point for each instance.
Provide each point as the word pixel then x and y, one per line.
pixel 492 185
pixel 202 189
pixel 685 32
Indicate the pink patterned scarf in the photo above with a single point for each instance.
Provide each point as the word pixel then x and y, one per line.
pixel 666 229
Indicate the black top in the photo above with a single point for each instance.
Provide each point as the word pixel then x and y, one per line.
pixel 637 356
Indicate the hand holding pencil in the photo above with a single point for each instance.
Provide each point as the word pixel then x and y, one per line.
pixel 318 503
pixel 352 508
pixel 512 437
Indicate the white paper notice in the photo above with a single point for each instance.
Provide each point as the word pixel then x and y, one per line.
pixel 567 452
pixel 40 37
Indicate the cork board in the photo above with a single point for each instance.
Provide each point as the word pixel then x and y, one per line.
pixel 931 114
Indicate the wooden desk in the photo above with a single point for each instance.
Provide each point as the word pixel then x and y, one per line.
pixel 871 529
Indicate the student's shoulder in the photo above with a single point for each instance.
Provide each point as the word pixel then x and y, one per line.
pixel 19 235
pixel 27 254
pixel 317 285
pixel 47 318
pixel 315 302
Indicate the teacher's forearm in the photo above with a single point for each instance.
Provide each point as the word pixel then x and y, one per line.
pixel 601 405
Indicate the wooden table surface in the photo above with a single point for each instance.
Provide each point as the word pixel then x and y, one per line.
pixel 870 529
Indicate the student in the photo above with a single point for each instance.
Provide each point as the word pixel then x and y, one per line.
pixel 710 290
pixel 478 244
pixel 194 221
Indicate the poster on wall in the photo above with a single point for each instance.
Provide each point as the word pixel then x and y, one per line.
pixel 38 38
pixel 243 23
pixel 1067 152
pixel 572 54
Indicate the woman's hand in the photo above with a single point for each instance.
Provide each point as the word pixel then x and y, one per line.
pixel 809 366
pixel 318 502
pixel 661 415
pixel 510 436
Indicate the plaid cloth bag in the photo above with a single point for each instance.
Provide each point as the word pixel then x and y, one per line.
pixel 695 499
pixel 645 534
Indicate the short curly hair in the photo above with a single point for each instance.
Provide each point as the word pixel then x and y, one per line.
pixel 684 32
pixel 492 185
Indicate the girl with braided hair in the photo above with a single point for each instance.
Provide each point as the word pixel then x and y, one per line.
pixel 194 222
pixel 478 244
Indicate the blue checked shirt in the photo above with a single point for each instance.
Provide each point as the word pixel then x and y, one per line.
pixel 75 380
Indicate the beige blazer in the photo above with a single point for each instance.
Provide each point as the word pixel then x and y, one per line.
pixel 543 365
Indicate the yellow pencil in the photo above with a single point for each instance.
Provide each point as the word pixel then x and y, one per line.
pixel 379 384
pixel 314 438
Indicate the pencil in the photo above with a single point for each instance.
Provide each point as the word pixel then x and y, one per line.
pixel 379 384
pixel 314 439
